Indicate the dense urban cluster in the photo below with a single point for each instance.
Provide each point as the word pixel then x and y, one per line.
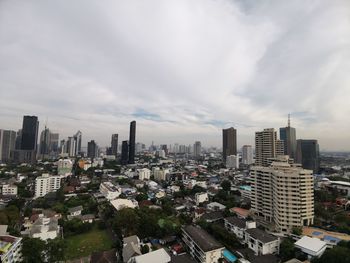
pixel 277 201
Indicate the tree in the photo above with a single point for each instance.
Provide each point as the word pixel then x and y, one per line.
pixel 141 197
pixel 226 185
pixel 287 249
pixel 144 249
pixel 126 221
pixel 55 250
pixel 297 231
pixel 33 250
pixel 338 254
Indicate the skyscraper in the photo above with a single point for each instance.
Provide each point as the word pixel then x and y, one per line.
pixel 247 154
pixel 229 142
pixel 132 138
pixel 77 143
pixel 44 142
pixel 92 149
pixel 308 154
pixel 7 144
pixel 114 144
pixel 29 133
pixel 125 152
pixel 288 136
pixel 197 149
pixel 267 146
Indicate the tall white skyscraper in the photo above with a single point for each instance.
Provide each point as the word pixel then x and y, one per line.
pixel 247 154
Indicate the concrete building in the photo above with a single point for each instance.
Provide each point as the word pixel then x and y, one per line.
pixel 10 249
pixel 92 149
pixel 232 161
pixel 229 142
pixel 261 242
pixel 44 228
pixel 132 142
pixel 267 146
pixel 144 174
pixel 46 184
pixel 120 203
pixel 160 174
pixel 197 149
pixel 282 194
pixel 131 248
pixel 64 166
pixel 9 189
pixel 200 245
pixel 110 191
pixel 114 144
pixel 201 198
pixel 157 256
pixel 247 155
pixel 7 144
pixel 238 226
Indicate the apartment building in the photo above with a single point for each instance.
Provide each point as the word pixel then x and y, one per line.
pixel 10 249
pixel 144 174
pixel 282 194
pixel 9 189
pixel 46 184
pixel 200 245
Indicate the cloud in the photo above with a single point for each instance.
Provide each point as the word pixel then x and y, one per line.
pixel 183 69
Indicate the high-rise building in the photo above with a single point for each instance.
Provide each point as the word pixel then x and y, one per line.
pixel 132 138
pixel 114 144
pixel 7 144
pixel 247 154
pixel 288 136
pixel 54 149
pixel 197 149
pixel 18 139
pixel 232 161
pixel 46 184
pixel 71 146
pixel 29 133
pixel 125 152
pixel 282 194
pixel 308 154
pixel 267 146
pixel 164 147
pixel 229 142
pixel 77 138
pixel 92 149
pixel 44 142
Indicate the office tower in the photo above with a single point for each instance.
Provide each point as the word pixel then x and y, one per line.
pixel 267 146
pixel 132 137
pixel 114 144
pixel 139 147
pixel 282 194
pixel 197 149
pixel 176 148
pixel 232 161
pixel 7 144
pixel 164 147
pixel 63 147
pixel 229 142
pixel 29 133
pixel 77 138
pixel 125 152
pixel 92 149
pixel 308 154
pixel 46 184
pixel 54 138
pixel 71 146
pixel 247 154
pixel 279 147
pixel 44 142
pixel 18 139
pixel 288 136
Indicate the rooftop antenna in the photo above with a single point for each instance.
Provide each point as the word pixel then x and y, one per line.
pixel 288 120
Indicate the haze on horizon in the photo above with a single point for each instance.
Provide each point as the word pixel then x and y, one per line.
pixel 182 69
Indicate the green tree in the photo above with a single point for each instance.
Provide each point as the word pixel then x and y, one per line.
pixel 287 249
pixel 338 254
pixel 144 249
pixel 33 250
pixel 297 231
pixel 226 185
pixel 55 250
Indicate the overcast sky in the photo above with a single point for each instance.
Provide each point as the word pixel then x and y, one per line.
pixel 183 69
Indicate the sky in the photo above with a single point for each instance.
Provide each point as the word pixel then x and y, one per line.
pixel 183 69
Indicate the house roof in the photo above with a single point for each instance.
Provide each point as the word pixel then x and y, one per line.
pixel 310 243
pixel 158 256
pixel 75 209
pixel 236 221
pixel 240 211
pixel 205 241
pixel 212 216
pixel 261 235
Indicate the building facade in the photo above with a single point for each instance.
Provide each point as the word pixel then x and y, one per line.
pixel 229 142
pixel 132 142
pixel 308 154
pixel 247 155
pixel 46 184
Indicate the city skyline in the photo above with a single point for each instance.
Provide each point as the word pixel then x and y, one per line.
pixel 207 66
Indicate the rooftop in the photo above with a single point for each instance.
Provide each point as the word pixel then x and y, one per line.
pixel 236 221
pixel 261 235
pixel 205 241
pixel 310 243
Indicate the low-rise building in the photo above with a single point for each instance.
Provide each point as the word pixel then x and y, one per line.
pixel 131 248
pixel 110 191
pixel 64 166
pixel 261 242
pixel 215 206
pixel 157 256
pixel 75 211
pixel 10 249
pixel 44 228
pixel 200 245
pixel 201 198
pixel 9 189
pixel 311 246
pixel 238 226
pixel 120 203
